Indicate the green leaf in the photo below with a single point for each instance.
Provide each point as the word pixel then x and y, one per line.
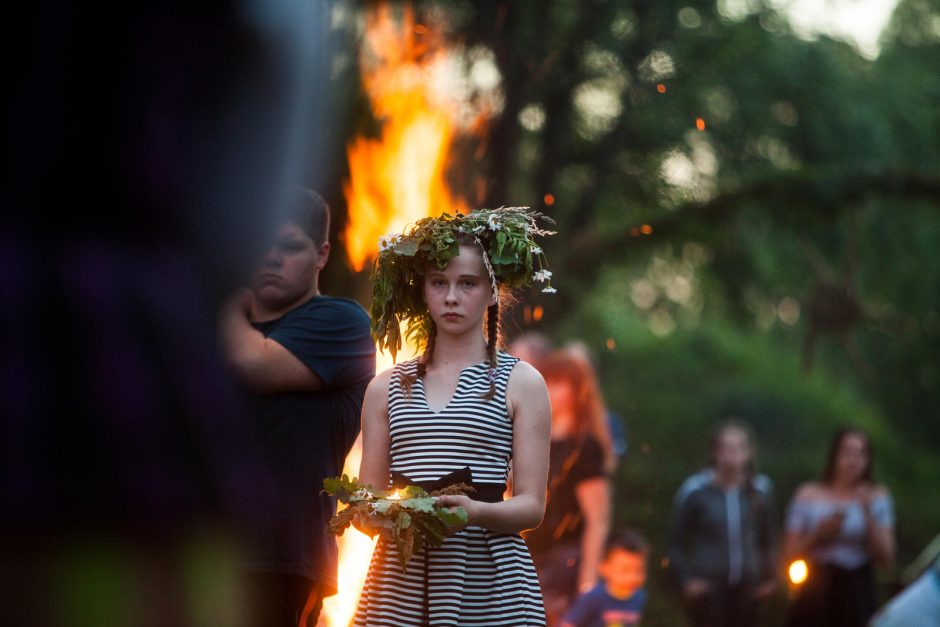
pixel 407 543
pixel 452 517
pixel 423 504
pixel 341 487
pixel 381 506
pixel 412 491
pixel 503 258
pixel 407 248
pixel 500 242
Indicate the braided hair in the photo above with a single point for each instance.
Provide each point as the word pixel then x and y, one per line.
pixel 408 380
pixel 492 346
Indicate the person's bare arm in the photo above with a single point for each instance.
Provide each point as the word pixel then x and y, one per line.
pixel 880 538
pixel 260 364
pixel 373 469
pixel 881 542
pixel 594 501
pixel 532 425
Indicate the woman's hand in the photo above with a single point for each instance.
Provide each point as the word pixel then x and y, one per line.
pixel 865 493
pixel 464 501
pixel 829 527
pixel 881 540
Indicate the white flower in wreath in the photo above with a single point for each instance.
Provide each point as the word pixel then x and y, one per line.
pixel 387 241
pixel 549 290
pixel 492 223
pixel 363 494
pixel 542 275
pixel 535 250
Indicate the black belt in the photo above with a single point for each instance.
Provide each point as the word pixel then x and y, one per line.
pixel 486 492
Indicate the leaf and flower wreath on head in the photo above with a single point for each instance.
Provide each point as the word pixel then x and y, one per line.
pixel 506 238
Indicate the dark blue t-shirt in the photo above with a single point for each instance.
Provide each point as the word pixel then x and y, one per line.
pixel 305 436
pixel 597 608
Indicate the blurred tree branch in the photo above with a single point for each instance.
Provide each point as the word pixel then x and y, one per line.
pixel 797 199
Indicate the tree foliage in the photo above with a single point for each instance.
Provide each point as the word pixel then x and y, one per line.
pixel 750 218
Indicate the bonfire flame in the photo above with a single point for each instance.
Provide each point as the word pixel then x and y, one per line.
pixel 355 551
pixel 400 177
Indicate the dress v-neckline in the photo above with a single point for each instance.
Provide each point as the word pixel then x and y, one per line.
pixel 453 396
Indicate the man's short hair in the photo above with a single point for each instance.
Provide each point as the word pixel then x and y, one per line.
pixel 309 211
pixel 626 540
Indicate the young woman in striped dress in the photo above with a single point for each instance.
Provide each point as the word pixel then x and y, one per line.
pixel 461 411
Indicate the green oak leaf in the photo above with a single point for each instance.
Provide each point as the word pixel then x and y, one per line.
pixel 412 491
pixel 381 506
pixel 452 517
pixel 423 504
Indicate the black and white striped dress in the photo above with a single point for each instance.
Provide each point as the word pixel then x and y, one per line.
pixel 477 577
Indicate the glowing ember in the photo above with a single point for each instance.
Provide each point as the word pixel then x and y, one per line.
pixel 798 572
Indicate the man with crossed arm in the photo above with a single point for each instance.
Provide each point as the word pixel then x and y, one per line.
pixel 304 360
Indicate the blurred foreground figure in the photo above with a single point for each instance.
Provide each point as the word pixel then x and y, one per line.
pixel 141 151
pixel 917 604
pixel 305 360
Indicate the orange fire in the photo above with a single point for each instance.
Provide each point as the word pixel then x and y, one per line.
pixel 395 180
pixel 355 550
pixel 399 178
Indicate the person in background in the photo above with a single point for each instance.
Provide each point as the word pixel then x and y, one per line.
pixel 304 360
pixel 618 600
pixel 841 526
pixel 531 347
pixel 721 541
pixel 613 430
pixel 568 545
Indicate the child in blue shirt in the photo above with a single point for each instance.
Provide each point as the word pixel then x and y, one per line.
pixel 619 599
